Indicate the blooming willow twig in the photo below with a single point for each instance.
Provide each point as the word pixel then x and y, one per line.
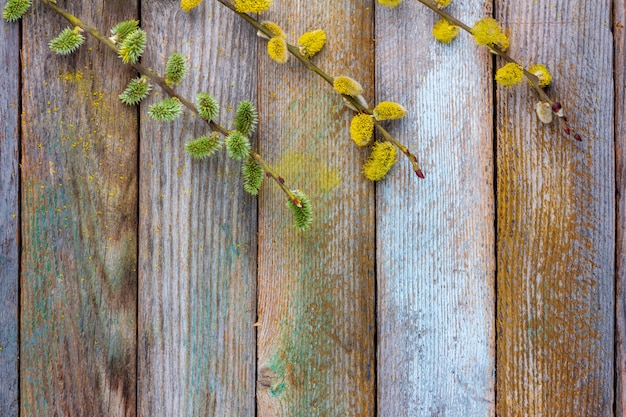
pixel 129 51
pixel 537 75
pixel 278 52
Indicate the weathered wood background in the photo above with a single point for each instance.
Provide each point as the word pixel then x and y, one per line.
pixel 135 281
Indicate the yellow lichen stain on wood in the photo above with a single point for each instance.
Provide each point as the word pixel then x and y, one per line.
pixel 308 173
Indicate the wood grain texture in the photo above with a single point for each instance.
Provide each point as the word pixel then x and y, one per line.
pixel 79 222
pixel 197 269
pixel 9 218
pixel 556 231
pixel 316 289
pixel 619 22
pixel 435 237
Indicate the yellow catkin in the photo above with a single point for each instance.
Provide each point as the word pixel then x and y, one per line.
pixel 380 161
pixel 388 110
pixel 362 129
pixel 310 43
pixel 487 32
pixel 390 3
pixel 348 86
pixel 510 74
pixel 252 6
pixel 443 3
pixel 274 28
pixel 187 5
pixel 277 49
pixel 541 72
pixel 444 31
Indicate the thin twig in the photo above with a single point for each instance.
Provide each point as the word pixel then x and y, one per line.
pixel 330 80
pixel 160 81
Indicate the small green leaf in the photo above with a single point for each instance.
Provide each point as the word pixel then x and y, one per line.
pixel 166 110
pixel 302 216
pixel 204 146
pixel 208 108
pixel 252 175
pixel 176 68
pixel 15 9
pixel 131 48
pixel 137 90
pixel 237 146
pixel 246 117
pixel 67 42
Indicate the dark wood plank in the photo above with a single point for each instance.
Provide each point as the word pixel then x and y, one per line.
pixel 9 218
pixel 435 237
pixel 197 268
pixel 619 22
pixel 316 289
pixel 556 217
pixel 79 222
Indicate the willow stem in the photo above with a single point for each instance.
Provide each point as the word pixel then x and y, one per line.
pixel 532 79
pixel 330 80
pixel 160 81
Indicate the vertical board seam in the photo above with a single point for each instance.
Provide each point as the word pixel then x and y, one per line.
pixel 494 132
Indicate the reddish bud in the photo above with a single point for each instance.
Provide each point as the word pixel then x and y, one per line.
pixel 419 173
pixel 556 107
pixel 282 181
pixel 414 158
pixel 578 138
pixel 566 130
pixel 297 203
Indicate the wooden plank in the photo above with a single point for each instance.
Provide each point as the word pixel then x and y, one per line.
pixel 9 218
pixel 79 222
pixel 316 354
pixel 619 21
pixel 435 237
pixel 556 217
pixel 197 269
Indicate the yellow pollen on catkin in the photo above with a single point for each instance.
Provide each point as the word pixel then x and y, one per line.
pixel 252 6
pixel 348 86
pixel 277 49
pixel 488 32
pixel 541 72
pixel 443 3
pixel 510 74
pixel 187 5
pixel 444 31
pixel 310 43
pixel 274 28
pixel 362 129
pixel 388 110
pixel 390 3
pixel 380 161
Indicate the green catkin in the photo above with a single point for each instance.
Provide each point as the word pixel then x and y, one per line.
pixel 246 118
pixel 176 68
pixel 208 108
pixel 302 216
pixel 137 90
pixel 67 42
pixel 132 47
pixel 237 146
pixel 15 9
pixel 123 29
pixel 252 175
pixel 204 146
pixel 166 110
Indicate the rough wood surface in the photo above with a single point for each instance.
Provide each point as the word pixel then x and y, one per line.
pixel 556 217
pixel 435 237
pixel 619 21
pixel 197 270
pixel 9 219
pixel 79 222
pixel 316 289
